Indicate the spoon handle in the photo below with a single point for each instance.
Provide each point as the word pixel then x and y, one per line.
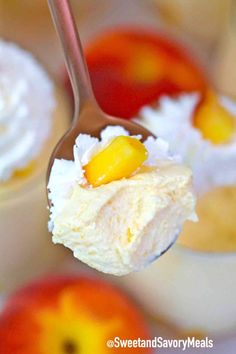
pixel 64 21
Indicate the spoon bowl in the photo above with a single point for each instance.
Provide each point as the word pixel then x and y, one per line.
pixel 92 121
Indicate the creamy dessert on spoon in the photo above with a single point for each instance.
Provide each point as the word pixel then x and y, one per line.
pixel 117 198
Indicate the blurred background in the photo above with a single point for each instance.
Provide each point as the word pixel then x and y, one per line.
pixel 208 29
pixel 204 33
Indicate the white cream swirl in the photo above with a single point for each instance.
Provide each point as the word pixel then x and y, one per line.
pixel 26 106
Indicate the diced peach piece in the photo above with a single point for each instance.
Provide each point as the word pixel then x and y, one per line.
pixel 214 121
pixel 123 156
pixel 26 171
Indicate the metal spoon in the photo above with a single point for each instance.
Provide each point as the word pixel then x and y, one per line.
pixel 88 117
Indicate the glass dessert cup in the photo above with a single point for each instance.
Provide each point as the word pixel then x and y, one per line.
pixel 193 290
pixel 25 245
pixel 29 24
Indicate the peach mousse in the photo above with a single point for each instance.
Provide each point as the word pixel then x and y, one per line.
pixel 121 203
pixel 70 315
pixel 33 116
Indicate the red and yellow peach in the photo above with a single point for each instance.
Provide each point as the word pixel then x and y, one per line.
pixel 130 68
pixel 69 315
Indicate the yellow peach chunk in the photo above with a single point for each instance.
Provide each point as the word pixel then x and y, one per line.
pixel 26 171
pixel 122 157
pixel 214 121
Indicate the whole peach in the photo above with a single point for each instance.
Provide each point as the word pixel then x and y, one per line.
pixel 69 315
pixel 133 67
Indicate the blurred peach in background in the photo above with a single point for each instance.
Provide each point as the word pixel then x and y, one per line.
pixel 69 315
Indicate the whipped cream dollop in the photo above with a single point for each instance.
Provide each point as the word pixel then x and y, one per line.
pixel 65 174
pixel 26 107
pixel 124 225
pixel 212 165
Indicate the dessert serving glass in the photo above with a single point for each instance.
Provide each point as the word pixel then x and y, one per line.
pixel 194 289
pixel 25 247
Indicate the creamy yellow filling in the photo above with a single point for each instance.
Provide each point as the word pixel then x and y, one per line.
pixel 216 229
